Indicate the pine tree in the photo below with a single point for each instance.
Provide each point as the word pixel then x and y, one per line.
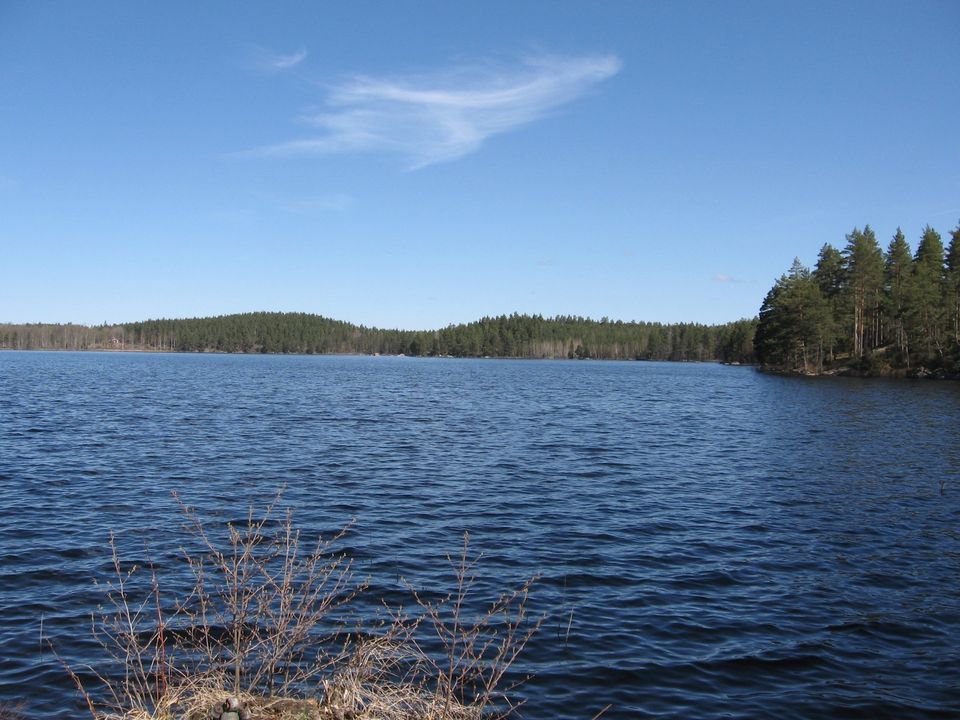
pixel 864 289
pixel 926 292
pixel 768 342
pixel 830 275
pixel 795 323
pixel 953 285
pixel 897 266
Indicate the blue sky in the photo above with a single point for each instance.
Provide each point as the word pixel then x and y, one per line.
pixel 415 164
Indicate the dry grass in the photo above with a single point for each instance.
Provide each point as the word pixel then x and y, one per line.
pixel 10 711
pixel 268 622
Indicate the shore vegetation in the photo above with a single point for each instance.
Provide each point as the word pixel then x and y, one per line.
pixel 266 630
pixel 865 311
pixel 517 336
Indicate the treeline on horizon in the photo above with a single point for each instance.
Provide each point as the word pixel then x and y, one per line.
pixel 519 336
pixel 871 311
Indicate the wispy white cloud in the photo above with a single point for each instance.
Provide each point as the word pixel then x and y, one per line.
pixel 274 62
pixel 443 116
pixel 308 203
pixel 721 278
pixel 335 201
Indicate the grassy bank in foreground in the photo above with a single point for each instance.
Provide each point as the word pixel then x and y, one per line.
pixel 517 336
pixel 267 631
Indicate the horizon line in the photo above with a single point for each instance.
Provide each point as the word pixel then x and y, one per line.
pixel 586 318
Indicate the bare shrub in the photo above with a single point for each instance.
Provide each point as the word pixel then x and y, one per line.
pixel 12 711
pixel 396 676
pixel 477 651
pixel 267 622
pixel 257 607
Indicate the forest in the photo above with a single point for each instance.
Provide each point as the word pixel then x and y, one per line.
pixel 860 310
pixel 514 336
pixel 865 311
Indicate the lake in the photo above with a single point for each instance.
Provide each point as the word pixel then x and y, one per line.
pixel 712 542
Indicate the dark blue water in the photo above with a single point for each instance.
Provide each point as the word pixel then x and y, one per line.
pixel 727 544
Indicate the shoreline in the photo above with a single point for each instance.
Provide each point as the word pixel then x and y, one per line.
pixel 160 351
pixel 916 373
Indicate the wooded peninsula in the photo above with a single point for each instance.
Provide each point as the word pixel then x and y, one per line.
pixel 867 312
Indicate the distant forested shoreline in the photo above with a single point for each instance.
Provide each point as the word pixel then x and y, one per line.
pixel 867 312
pixel 515 336
pixel 860 311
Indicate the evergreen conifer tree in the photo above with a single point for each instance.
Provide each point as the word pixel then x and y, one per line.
pixel 830 275
pixel 864 289
pixel 953 285
pixel 926 292
pixel 795 322
pixel 897 266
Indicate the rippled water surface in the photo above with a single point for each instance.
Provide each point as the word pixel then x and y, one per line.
pixel 713 542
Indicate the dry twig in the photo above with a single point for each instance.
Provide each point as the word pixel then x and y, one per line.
pixel 266 622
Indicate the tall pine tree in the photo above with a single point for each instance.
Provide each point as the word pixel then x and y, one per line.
pixel 795 323
pixel 864 289
pixel 897 266
pixel 926 292
pixel 953 285
pixel 830 275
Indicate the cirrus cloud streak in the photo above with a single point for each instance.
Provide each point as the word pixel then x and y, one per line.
pixel 437 118
pixel 274 62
